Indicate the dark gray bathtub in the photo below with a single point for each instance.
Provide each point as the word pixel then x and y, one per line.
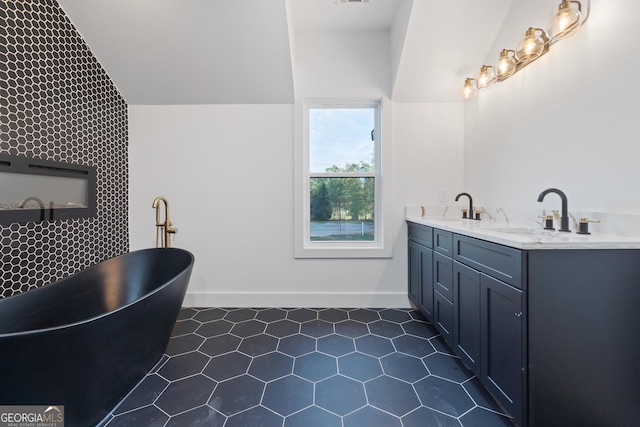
pixel 84 342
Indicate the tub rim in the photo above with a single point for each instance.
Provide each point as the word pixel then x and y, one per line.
pixel 107 313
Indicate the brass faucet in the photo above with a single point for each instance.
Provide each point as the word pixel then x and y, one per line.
pixel 163 229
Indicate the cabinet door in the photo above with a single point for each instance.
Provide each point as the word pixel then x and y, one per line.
pixel 502 366
pixel 443 317
pixel 443 275
pixel 466 315
pixel 421 278
pixel 414 273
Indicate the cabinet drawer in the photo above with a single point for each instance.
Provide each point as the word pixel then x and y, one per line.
pixel 503 263
pixel 443 242
pixel 421 233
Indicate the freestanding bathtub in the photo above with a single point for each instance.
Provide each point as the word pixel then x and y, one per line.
pixel 85 341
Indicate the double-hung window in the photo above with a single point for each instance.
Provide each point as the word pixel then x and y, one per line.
pixel 341 194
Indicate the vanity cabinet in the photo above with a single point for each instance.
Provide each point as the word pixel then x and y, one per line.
pixel 421 269
pixel 552 334
pixel 477 312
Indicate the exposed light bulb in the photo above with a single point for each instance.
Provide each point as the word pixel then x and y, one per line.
pixel 531 46
pixel 468 91
pixel 506 64
pixel 566 20
pixel 486 77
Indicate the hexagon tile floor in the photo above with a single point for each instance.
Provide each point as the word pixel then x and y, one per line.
pixel 307 368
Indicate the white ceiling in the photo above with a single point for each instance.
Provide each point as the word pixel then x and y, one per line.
pixel 240 51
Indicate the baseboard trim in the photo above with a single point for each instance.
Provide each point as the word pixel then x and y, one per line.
pixel 284 299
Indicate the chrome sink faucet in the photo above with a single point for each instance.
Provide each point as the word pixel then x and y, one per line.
pixel 470 205
pixel 564 217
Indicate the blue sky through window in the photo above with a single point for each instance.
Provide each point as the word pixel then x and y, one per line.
pixel 338 136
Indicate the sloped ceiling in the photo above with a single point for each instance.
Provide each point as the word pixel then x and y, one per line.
pixel 241 51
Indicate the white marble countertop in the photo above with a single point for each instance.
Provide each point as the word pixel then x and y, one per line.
pixel 523 235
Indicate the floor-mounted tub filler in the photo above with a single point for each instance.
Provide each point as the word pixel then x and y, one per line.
pixel 85 341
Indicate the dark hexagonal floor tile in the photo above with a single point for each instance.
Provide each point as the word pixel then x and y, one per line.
pixel 313 417
pixel 333 315
pixel 302 315
pixel 391 395
pixel 351 328
pixel 184 365
pixel 144 394
pixel 364 315
pixel 419 329
pixel 395 315
pixel 288 395
pixel 258 344
pixel 422 417
pixel 209 315
pixel 336 345
pixel 236 395
pixel 271 366
pixel 482 417
pixel 254 417
pixel 214 328
pixel 220 345
pixel 227 366
pixel 403 367
pixel 415 346
pixel 187 313
pixel 147 416
pixel 271 314
pixel 315 366
pixel 386 329
pixel 184 327
pixel 359 366
pixel 183 344
pixel 374 345
pixel 443 396
pixel 480 395
pixel 283 328
pixel 248 328
pixel 372 417
pixel 340 395
pixel 448 367
pixel 241 314
pixel 316 328
pixel 440 345
pixel 202 416
pixel 186 394
pixel 297 345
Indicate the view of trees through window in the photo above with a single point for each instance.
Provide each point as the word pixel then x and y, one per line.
pixel 342 199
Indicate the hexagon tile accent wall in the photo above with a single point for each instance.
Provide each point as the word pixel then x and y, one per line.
pixel 57 103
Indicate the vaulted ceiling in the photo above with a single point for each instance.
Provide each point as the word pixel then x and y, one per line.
pixel 241 51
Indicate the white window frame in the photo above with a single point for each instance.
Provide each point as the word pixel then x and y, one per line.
pixel 382 246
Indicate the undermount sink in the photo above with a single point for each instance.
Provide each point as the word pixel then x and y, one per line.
pixel 514 230
pixel 529 232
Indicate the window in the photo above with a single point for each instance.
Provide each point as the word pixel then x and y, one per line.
pixel 340 191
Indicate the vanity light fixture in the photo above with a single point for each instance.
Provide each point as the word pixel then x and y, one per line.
pixel 469 89
pixel 535 44
pixel 486 77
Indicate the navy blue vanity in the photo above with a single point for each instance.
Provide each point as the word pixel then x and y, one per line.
pixel 549 327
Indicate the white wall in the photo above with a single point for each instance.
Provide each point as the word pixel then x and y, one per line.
pixel 227 171
pixel 569 120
